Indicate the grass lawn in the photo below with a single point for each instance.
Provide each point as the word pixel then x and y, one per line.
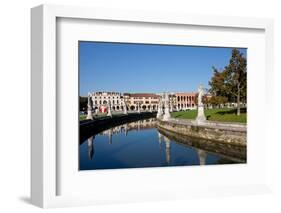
pixel 82 117
pixel 224 114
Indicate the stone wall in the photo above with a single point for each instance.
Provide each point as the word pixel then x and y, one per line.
pixel 88 128
pixel 230 133
pixel 226 139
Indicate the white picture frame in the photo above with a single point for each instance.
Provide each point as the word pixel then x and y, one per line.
pixel 44 135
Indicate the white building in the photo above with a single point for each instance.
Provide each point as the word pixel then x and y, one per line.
pixel 101 100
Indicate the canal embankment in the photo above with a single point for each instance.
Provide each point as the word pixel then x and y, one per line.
pixel 93 127
pixel 229 139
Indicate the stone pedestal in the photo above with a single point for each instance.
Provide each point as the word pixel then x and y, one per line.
pixel 139 108
pixel 159 112
pixel 125 109
pixel 89 108
pixel 167 114
pixel 200 114
pixel 171 107
pixel 89 114
pixel 109 111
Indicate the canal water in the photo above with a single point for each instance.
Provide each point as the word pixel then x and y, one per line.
pixel 137 145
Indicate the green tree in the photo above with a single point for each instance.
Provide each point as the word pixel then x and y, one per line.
pixel 83 101
pixel 236 77
pixel 218 84
pixel 217 100
pixel 231 83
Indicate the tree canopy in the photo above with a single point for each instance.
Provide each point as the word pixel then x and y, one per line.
pixel 230 84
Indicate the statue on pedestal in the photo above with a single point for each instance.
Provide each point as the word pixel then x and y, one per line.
pixel 200 114
pixel 139 107
pixel 160 109
pixel 167 114
pixel 125 108
pixel 171 106
pixel 109 109
pixel 89 108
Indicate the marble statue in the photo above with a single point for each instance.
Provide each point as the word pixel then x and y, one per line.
pixel 139 108
pixel 200 112
pixel 200 95
pixel 89 108
pixel 125 108
pixel 160 110
pixel 109 109
pixel 167 114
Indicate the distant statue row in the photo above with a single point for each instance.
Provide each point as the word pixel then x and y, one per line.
pixel 109 108
pixel 165 107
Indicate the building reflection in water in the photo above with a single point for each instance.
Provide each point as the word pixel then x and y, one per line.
pixel 91 149
pixel 141 124
pixel 202 156
pixel 126 128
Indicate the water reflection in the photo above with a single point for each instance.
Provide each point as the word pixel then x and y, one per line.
pixel 91 149
pixel 138 125
pixel 168 150
pixel 140 144
pixel 202 156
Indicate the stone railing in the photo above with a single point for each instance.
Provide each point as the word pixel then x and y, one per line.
pixel 214 124
pixel 216 131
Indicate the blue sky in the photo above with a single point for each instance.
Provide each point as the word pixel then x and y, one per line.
pixel 123 67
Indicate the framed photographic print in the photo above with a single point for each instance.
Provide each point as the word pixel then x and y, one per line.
pixel 130 106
